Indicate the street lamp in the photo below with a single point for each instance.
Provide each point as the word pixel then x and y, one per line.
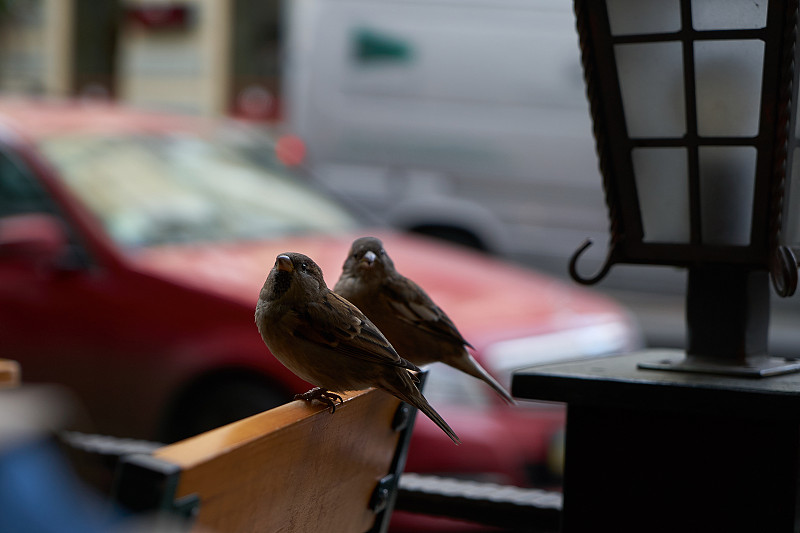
pixel 693 104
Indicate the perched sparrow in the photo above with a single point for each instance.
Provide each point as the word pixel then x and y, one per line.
pixel 328 342
pixel 419 330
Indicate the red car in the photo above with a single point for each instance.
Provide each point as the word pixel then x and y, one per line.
pixel 132 250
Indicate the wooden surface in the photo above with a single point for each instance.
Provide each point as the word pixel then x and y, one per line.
pixel 295 468
pixel 9 373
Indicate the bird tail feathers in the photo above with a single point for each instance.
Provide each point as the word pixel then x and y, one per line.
pixel 473 368
pixel 412 396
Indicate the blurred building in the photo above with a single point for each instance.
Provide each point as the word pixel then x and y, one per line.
pixel 202 56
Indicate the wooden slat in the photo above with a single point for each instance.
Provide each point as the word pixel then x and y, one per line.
pixel 298 467
pixel 9 373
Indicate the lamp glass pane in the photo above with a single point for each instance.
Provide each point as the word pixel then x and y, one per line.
pixel 662 184
pixel 727 184
pixel 728 78
pixel 631 17
pixel 729 14
pixel 651 81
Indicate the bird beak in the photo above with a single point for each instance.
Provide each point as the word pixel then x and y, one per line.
pixel 369 258
pixel 284 263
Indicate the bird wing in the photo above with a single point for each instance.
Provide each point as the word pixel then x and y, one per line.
pixel 413 305
pixel 336 323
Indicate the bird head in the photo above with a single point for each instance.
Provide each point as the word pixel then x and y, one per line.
pixel 367 257
pixel 293 275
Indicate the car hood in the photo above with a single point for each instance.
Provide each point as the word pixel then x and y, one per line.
pixel 488 300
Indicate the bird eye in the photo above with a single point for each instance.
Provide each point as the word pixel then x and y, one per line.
pixel 303 266
pixel 383 252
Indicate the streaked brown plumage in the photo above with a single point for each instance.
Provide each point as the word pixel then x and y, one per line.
pixel 420 331
pixel 328 342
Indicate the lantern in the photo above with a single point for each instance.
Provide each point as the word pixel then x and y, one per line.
pixel 693 104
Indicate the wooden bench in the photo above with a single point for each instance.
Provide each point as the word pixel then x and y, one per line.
pixel 297 467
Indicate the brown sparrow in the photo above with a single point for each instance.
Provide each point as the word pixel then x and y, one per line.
pixel 328 342
pixel 412 322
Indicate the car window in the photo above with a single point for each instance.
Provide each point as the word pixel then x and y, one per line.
pixel 19 192
pixel 22 193
pixel 156 189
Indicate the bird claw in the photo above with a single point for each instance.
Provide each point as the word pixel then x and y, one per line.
pixel 317 393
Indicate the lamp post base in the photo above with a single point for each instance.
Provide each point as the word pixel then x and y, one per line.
pixel 727 318
pixel 754 367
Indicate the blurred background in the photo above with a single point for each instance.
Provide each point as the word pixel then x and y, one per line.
pixel 466 122
pixel 462 121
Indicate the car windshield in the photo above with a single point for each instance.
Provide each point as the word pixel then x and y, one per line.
pixel 150 190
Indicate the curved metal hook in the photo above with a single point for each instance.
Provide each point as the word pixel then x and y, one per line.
pixel 783 271
pixel 573 270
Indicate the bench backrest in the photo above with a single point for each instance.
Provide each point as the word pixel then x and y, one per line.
pixel 297 467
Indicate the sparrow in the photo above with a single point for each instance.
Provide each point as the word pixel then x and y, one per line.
pixel 420 331
pixel 328 342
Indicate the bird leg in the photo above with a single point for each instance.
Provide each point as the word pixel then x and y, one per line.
pixel 325 396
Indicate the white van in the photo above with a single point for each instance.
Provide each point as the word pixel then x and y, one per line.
pixel 461 118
